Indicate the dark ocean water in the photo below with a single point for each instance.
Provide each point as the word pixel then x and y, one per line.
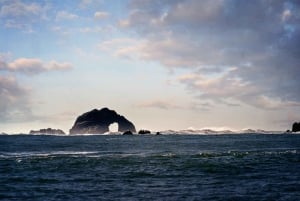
pixel 166 167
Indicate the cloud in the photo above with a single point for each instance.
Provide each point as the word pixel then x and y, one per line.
pixel 85 4
pixel 54 65
pixel 170 105
pixel 64 15
pixel 200 106
pixel 286 14
pixel 32 66
pixel 100 15
pixel 15 100
pixel 231 91
pixel 15 97
pixel 122 47
pixel 150 51
pixel 21 15
pixel 274 103
pixel 236 51
pixel 19 9
pixel 217 88
pixel 166 105
pixel 97 29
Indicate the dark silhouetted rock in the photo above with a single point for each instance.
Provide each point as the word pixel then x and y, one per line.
pixel 142 132
pixel 296 127
pixel 47 131
pixel 127 133
pixel 98 121
pixel 158 133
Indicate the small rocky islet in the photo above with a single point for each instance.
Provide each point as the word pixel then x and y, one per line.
pixel 144 132
pixel 296 127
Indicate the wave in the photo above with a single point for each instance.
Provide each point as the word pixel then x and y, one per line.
pixel 44 154
pixel 99 154
pixel 19 156
pixel 218 132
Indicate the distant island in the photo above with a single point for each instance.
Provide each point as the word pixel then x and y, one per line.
pixel 48 131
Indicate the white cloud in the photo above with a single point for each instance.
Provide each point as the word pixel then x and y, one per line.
pixel 19 9
pixel 25 65
pixel 97 29
pixel 226 89
pixel 64 15
pixel 170 105
pixel 85 3
pixel 168 52
pixel 101 15
pixel 54 65
pixel 286 14
pixel 122 47
pixel 21 15
pixel 124 23
pixel 160 104
pixel 33 66
pixel 274 103
pixel 216 87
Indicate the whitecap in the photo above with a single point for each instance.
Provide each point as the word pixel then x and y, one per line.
pixel 45 154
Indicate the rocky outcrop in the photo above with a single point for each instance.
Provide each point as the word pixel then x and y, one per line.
pixel 142 132
pixel 296 127
pixel 48 131
pixel 98 121
pixel 127 133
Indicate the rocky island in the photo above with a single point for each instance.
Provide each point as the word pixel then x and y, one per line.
pixel 98 121
pixel 296 127
pixel 143 132
pixel 48 131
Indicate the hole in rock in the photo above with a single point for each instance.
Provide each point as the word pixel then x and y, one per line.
pixel 113 127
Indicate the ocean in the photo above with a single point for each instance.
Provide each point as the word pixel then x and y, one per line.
pixel 149 167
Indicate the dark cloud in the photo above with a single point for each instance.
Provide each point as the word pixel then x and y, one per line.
pixel 252 47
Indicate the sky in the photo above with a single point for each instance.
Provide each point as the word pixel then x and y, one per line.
pixel 172 64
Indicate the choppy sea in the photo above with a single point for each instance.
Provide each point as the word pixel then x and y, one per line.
pixel 147 167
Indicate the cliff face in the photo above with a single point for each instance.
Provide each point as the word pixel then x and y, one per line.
pixel 98 121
